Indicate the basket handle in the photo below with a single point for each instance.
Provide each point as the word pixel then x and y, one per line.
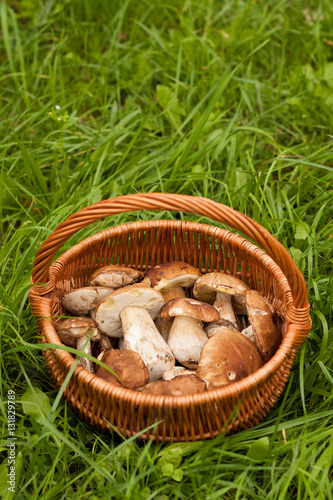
pixel 172 202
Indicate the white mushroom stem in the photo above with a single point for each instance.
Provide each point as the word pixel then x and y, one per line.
pixel 164 324
pixel 248 332
pixel 121 344
pixel 224 307
pixel 186 340
pixel 142 336
pixel 177 371
pixel 86 363
pixel 228 319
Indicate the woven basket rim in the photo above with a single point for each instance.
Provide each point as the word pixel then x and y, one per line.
pixel 254 380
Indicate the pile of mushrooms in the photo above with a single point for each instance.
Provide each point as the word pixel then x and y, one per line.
pixel 170 332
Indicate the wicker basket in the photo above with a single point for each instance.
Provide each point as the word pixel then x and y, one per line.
pixel 144 244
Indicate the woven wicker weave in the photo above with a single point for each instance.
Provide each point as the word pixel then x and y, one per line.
pixel 144 244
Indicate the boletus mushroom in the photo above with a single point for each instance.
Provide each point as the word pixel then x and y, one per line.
pixel 169 278
pixel 178 386
pixel 220 288
pixel 114 276
pixel 227 357
pixel 129 367
pixel 164 324
pixel 142 336
pixel 263 331
pixel 81 301
pixel 108 310
pixel 187 336
pixel 170 275
pixel 74 332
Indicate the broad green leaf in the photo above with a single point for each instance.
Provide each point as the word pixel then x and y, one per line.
pixel 171 456
pixel 35 402
pixel 5 492
pixel 167 469
pixel 259 449
pixel 145 492
pixel 198 169
pixel 169 102
pixel 302 231
pixel 297 255
pixel 178 475
pixel 3 480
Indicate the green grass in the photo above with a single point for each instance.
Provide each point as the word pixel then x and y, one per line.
pixel 231 100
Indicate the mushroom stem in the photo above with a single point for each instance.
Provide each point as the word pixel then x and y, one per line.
pixel 177 371
pixel 142 337
pixel 224 307
pixel 186 340
pixel 227 316
pixel 248 332
pixel 164 324
pixel 86 363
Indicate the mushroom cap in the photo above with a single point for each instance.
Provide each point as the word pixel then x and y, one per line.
pixel 209 284
pixel 171 274
pixel 108 310
pixel 267 335
pixel 178 386
pixel 81 300
pixel 71 329
pixel 114 276
pixel 227 357
pixel 190 307
pixel 216 326
pixel 129 367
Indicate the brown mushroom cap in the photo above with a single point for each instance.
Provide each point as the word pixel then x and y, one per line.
pixel 209 284
pixel 108 310
pixel 81 300
pixel 114 276
pixel 71 329
pixel 190 384
pixel 227 357
pixel 171 274
pixel 267 335
pixel 190 307
pixel 129 367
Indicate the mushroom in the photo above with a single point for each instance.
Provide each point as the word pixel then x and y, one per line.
pixel 129 367
pixel 227 357
pixel 164 324
pixel 264 333
pixel 142 336
pixel 221 287
pixel 176 387
pixel 74 332
pixel 177 371
pixel 169 278
pixel 114 276
pixel 108 310
pixel 170 275
pixel 187 337
pixel 81 301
